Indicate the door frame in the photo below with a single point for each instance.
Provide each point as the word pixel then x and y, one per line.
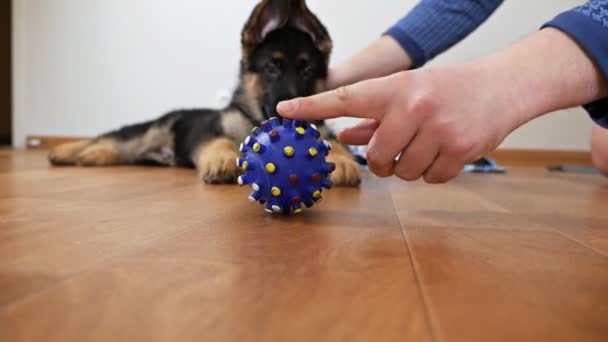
pixel 6 137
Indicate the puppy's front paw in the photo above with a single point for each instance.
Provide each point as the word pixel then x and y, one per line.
pixel 216 161
pixel 219 169
pixel 347 171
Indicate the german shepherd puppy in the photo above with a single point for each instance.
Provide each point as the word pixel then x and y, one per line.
pixel 285 54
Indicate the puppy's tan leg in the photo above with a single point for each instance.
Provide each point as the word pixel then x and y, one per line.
pixel 347 171
pixel 66 154
pixel 101 153
pixel 216 161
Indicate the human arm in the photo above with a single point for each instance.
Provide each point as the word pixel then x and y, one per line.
pixel 382 57
pixel 430 28
pixel 588 25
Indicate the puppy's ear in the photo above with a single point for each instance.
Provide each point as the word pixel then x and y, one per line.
pixel 268 15
pixel 303 19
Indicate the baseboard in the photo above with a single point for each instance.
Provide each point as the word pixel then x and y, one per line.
pixel 37 142
pixel 540 158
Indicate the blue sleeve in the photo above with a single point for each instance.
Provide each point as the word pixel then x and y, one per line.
pixel 588 25
pixel 434 26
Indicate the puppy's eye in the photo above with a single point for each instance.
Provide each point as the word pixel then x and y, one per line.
pixel 305 68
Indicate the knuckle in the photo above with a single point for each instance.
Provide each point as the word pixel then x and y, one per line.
pixel 462 146
pixel 379 165
pixel 407 176
pixel 442 129
pixel 372 155
pixel 383 172
pixel 436 179
pixel 443 180
pixel 343 93
pixel 425 103
pixel 440 126
pixel 430 178
pixel 444 177
pixel 453 173
pixel 406 173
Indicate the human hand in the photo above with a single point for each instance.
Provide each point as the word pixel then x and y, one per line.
pixel 430 123
pixel 437 120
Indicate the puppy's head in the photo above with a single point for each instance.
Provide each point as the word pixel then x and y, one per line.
pixel 286 53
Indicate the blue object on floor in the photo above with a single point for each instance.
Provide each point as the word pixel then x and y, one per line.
pixel 574 168
pixel 484 165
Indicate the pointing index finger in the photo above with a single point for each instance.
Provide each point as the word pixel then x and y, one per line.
pixel 366 99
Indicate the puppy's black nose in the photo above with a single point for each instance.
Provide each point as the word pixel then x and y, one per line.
pixel 286 97
pixel 270 111
pixel 288 92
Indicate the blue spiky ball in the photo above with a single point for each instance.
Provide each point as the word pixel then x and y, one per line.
pixel 285 165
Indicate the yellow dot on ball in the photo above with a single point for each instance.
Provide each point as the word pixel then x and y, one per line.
pixel 301 130
pixel 297 211
pixel 317 194
pixel 289 151
pixel 313 152
pixel 245 166
pixel 270 168
pixel 257 147
pixel 276 192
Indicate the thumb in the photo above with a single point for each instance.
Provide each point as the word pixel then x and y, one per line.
pixel 367 99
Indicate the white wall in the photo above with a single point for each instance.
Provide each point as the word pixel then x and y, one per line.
pixel 86 66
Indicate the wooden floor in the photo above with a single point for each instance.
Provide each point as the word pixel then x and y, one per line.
pixel 136 254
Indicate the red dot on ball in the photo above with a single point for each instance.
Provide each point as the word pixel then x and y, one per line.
pixel 316 178
pixel 296 200
pixel 274 134
pixel 293 179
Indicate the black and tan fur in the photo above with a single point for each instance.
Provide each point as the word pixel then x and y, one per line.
pixel 285 54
